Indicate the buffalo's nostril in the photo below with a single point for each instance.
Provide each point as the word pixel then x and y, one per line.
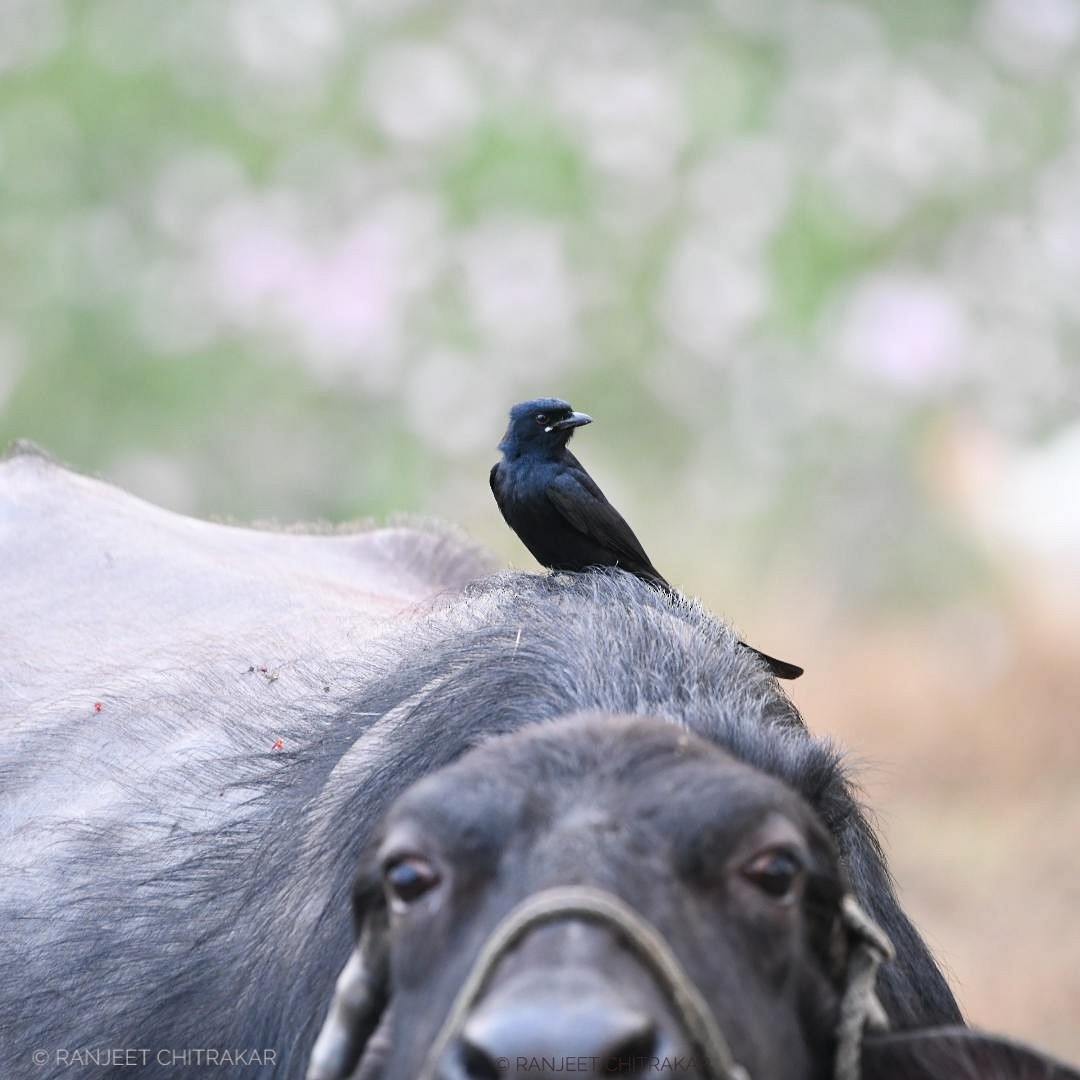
pixel 638 1048
pixel 634 1054
pixel 476 1064
pixel 537 1038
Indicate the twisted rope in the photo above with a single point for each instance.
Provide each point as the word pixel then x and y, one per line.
pixel 859 1007
pixel 577 901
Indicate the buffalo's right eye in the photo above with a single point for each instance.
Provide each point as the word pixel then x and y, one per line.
pixel 777 873
pixel 408 877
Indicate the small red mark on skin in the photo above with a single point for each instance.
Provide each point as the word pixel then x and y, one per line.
pixel 97 706
pixel 278 745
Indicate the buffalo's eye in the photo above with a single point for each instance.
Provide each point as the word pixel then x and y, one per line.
pixel 541 417
pixel 408 877
pixel 777 873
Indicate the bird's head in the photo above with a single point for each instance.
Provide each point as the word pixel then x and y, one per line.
pixel 543 424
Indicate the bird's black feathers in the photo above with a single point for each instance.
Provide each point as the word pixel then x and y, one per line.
pixel 559 512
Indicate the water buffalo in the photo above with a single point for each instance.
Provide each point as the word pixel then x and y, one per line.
pixel 204 727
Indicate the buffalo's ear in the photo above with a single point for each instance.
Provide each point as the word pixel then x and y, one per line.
pixel 362 990
pixel 955 1053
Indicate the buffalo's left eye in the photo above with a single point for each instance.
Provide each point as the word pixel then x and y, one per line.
pixel 408 877
pixel 777 873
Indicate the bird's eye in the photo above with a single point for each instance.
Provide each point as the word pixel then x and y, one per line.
pixel 776 872
pixel 407 878
pixel 541 417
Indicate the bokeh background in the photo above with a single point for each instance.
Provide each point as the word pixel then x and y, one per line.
pixel 814 267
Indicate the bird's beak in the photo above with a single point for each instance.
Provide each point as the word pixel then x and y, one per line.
pixel 574 420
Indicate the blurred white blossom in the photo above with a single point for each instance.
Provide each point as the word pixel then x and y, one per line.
pixel 763 16
pixel 629 120
pixel 742 192
pixel 881 139
pixel 452 402
pixel 31 32
pixel 905 330
pixel 1020 496
pixel 420 93
pixel 285 40
pixel 708 297
pixel 385 9
pixel 1057 232
pixel 340 298
pixel 519 290
pixel 1030 37
pixel 511 45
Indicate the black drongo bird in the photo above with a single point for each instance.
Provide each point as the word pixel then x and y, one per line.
pixel 557 510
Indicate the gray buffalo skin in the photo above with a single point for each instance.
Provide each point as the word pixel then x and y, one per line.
pixel 205 727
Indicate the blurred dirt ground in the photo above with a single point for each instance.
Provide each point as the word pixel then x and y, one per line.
pixel 965 735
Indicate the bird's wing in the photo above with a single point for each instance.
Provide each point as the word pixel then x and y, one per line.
pixel 578 498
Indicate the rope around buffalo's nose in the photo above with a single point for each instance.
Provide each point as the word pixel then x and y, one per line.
pixel 859 1004
pixel 859 1007
pixel 578 901
pixel 333 1054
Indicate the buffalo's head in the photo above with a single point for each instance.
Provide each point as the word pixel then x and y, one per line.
pixel 729 867
pixel 592 895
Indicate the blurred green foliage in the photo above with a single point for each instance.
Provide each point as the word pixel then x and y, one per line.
pixel 266 260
